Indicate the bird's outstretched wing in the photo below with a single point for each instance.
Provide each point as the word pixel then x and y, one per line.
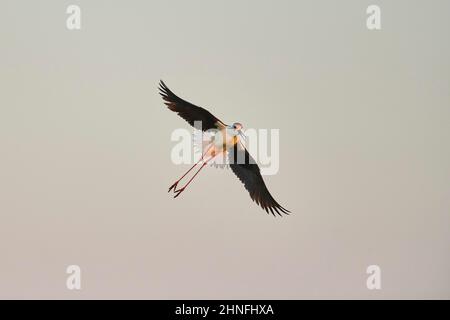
pixel 246 169
pixel 188 111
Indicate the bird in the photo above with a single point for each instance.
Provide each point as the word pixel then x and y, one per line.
pixel 226 140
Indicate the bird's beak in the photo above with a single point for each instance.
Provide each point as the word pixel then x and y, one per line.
pixel 242 136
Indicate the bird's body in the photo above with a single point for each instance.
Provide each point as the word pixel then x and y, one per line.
pixel 223 140
pixel 226 141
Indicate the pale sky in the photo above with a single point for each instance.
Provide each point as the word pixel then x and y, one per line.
pixel 85 149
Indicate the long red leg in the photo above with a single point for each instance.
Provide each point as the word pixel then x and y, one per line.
pixel 179 191
pixel 174 185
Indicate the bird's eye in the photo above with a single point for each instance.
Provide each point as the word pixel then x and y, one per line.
pixel 234 126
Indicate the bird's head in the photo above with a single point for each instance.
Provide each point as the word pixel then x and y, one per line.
pixel 237 126
pixel 236 129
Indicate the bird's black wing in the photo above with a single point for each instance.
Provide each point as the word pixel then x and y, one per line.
pixel 246 169
pixel 188 111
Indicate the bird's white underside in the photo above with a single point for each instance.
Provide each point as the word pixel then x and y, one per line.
pixel 215 145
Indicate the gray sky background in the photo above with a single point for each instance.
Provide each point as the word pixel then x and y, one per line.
pixel 85 149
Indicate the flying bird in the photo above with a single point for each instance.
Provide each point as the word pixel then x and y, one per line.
pixel 226 140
